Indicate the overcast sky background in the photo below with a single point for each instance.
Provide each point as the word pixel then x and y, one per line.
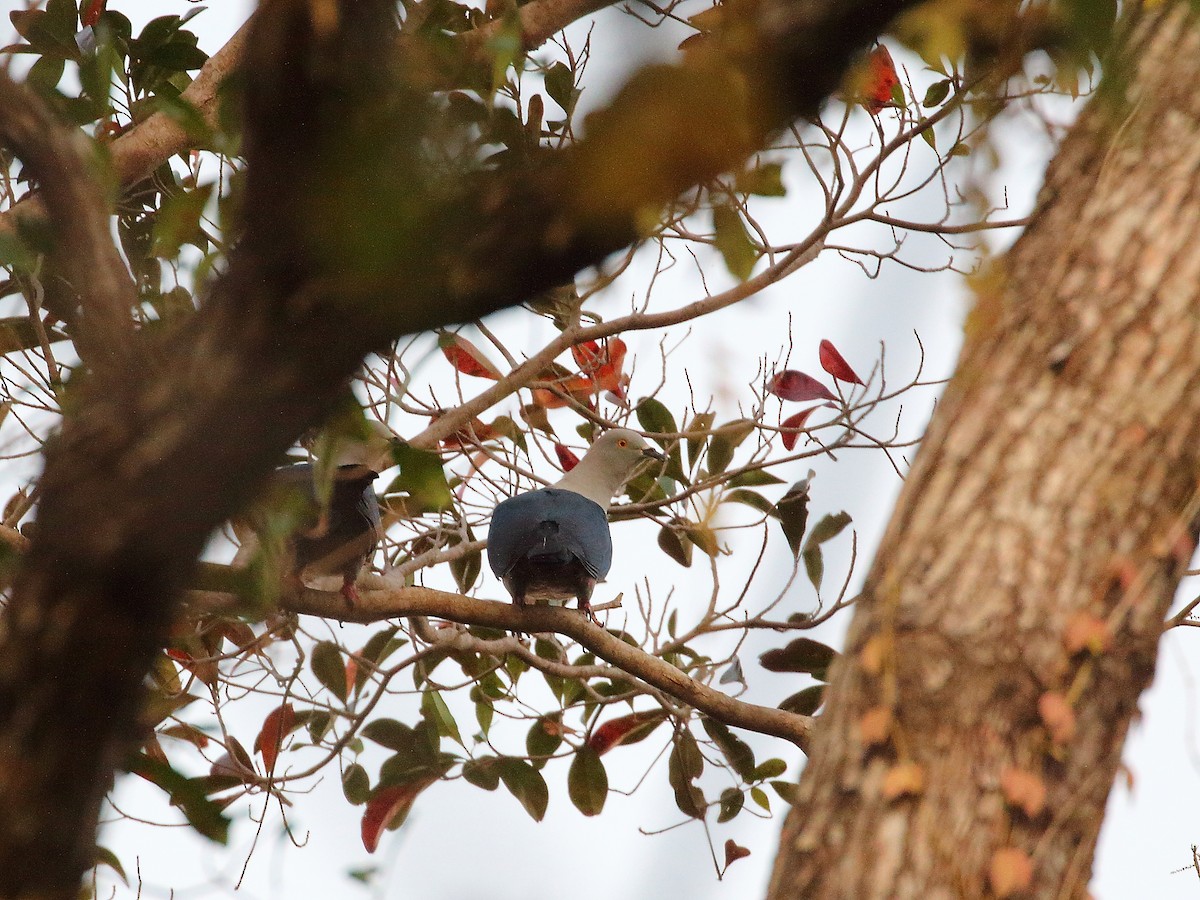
pixel 463 844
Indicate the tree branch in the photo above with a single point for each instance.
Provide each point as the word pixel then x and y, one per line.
pixel 377 605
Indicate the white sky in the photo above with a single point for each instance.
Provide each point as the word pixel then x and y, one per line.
pixel 463 844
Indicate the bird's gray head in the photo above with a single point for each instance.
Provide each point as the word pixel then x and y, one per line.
pixel 608 464
pixel 372 450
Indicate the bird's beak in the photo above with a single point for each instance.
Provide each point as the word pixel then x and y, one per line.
pixel 651 453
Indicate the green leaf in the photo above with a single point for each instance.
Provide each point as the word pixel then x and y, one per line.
pixel 356 785
pixel 389 733
pixel 700 424
pixel 759 796
pixel 732 801
pixel 727 439
pixel 434 709
pixel 801 655
pixel 422 479
pixel 484 713
pixel 828 527
pixel 936 93
pixel 177 56
pixel 754 478
pixel 526 784
pixel 792 512
pixel 587 782
pixel 684 765
pixel 483 773
pixel 560 85
pixel 329 668
pixel 733 241
pixel 929 137
pixel 544 737
pixel 466 568
pixel 737 751
pixel 765 180
pixel 188 794
pixel 703 537
pixel 771 768
pixel 751 499
pixel 787 791
pixel 805 702
pixel 45 74
pixel 671 542
pixel 655 418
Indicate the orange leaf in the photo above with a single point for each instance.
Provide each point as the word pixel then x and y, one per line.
pixel 472 434
pixel 466 357
pixel 1024 790
pixel 734 852
pixel 278 724
pixel 902 779
pixel 835 364
pixel 1058 716
pixel 351 674
pixel 881 78
pixel 1010 872
pixel 386 805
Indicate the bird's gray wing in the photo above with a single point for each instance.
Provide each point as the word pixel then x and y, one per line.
pixel 550 523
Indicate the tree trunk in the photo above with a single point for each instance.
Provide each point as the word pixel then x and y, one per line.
pixel 1012 616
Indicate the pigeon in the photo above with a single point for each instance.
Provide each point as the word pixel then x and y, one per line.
pixel 554 543
pixel 339 537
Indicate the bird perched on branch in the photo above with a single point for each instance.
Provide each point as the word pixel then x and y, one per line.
pixel 554 543
pixel 336 525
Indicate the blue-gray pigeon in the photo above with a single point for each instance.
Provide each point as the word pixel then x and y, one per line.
pixel 339 537
pixel 554 543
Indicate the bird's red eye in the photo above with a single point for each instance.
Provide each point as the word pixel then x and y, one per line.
pixel 622 443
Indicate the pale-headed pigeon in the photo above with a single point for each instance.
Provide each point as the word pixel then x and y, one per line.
pixel 339 537
pixel 554 543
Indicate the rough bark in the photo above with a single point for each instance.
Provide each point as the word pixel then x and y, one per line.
pixel 153 455
pixel 1053 505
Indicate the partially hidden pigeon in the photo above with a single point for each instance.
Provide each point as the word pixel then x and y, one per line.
pixel 554 543
pixel 340 536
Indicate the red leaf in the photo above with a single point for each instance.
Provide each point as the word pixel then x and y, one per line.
pixel 566 458
pixel 278 724
pixel 466 357
pixel 625 730
pixel 793 385
pixel 589 355
pixel 734 852
pixel 881 78
pixel 89 13
pixel 834 363
pixel 386 805
pixel 791 426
